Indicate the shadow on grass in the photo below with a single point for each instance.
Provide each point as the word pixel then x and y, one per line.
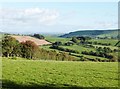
pixel 7 84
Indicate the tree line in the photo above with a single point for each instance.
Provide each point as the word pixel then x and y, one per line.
pixel 99 54
pixel 98 43
pixel 104 52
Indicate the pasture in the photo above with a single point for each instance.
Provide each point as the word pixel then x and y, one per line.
pixel 57 74
pixel 81 48
pixel 54 39
pixel 111 41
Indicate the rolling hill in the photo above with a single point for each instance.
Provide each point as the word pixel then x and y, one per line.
pixel 92 33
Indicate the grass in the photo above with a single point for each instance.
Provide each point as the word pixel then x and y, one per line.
pixel 54 39
pixel 63 40
pixel 46 47
pixel 42 74
pixel 89 56
pixel 111 41
pixel 111 47
pixel 0 71
pixel 79 48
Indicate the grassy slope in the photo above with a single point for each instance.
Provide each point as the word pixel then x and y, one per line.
pixel 59 74
pixel 92 33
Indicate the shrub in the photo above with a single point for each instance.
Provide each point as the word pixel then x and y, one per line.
pixel 38 36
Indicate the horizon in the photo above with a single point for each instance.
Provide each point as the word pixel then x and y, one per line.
pixel 58 17
pixel 55 33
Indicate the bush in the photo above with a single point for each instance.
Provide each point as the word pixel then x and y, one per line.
pixel 57 43
pixel 38 36
pixel 69 44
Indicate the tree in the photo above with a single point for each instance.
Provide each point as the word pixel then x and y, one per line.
pixel 74 39
pixel 57 43
pixel 69 43
pixel 39 36
pixel 8 46
pixel 29 49
pixel 17 50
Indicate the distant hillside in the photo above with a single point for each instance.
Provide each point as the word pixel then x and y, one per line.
pixel 92 33
pixel 111 34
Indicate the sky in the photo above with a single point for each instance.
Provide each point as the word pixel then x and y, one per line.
pixel 57 17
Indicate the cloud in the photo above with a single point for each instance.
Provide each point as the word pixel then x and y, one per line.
pixel 29 16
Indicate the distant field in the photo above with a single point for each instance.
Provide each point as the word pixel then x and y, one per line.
pixel 111 41
pixel 58 74
pixel 74 47
pixel 112 47
pixel 79 48
pixel 89 56
pixel 54 39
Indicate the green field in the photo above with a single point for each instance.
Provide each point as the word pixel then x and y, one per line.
pixel 45 74
pixel 112 47
pixel 54 39
pixel 111 41
pixel 74 47
pixel 58 74
pixel 81 48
